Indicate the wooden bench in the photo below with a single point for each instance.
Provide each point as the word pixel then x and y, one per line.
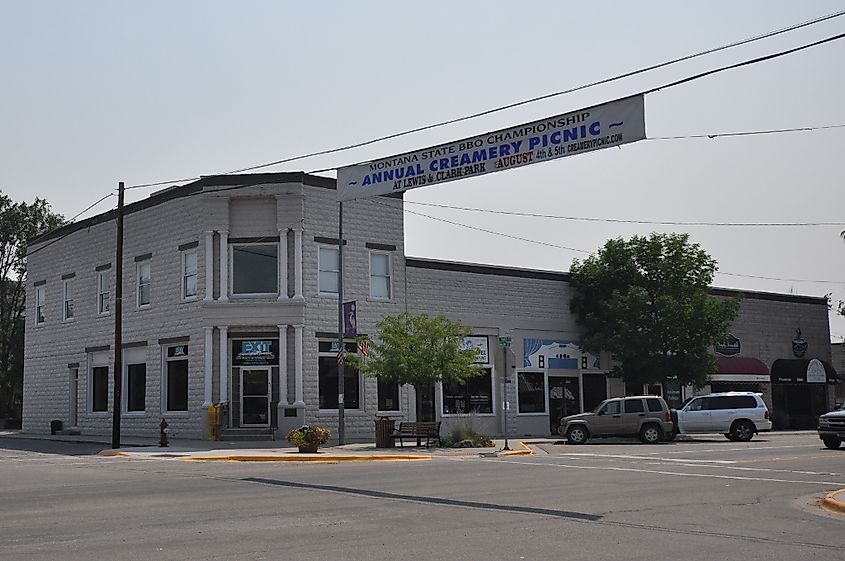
pixel 429 430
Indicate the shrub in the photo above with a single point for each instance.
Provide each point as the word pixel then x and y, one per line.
pixel 460 433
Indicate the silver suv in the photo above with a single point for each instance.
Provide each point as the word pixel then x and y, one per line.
pixel 643 416
pixel 832 428
pixel 737 415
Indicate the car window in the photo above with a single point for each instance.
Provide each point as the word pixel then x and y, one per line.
pixel 720 403
pixel 634 406
pixel 696 404
pixel 654 405
pixel 610 408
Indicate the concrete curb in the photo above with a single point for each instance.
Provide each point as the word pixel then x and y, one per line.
pixel 835 501
pixel 309 458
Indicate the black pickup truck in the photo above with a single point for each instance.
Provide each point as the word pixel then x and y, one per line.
pixel 832 428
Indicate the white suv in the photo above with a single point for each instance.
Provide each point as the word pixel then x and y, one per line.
pixel 737 415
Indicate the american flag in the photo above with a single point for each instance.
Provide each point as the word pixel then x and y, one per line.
pixel 364 348
pixel 341 356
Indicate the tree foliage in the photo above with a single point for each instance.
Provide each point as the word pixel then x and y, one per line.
pixel 19 224
pixel 646 301
pixel 419 350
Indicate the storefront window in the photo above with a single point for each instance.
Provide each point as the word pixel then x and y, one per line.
pixel 532 392
pixel 475 395
pixel 328 369
pixel 388 396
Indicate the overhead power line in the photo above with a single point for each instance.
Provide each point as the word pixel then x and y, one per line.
pixel 532 100
pixel 746 133
pixel 548 244
pixel 624 221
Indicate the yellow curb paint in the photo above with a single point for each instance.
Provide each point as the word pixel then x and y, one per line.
pixel 316 459
pixel 113 453
pixel 832 504
pixel 526 452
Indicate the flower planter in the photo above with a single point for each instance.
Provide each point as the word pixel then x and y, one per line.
pixel 308 449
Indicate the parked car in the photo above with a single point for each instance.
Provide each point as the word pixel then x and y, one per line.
pixel 643 416
pixel 737 415
pixel 832 427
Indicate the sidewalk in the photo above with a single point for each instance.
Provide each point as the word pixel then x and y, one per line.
pixel 270 451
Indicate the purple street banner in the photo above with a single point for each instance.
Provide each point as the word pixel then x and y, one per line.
pixel 603 126
pixel 350 319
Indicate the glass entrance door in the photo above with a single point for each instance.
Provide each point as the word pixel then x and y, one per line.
pixel 564 399
pixel 255 397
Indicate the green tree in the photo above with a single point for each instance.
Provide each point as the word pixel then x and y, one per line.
pixel 646 301
pixel 19 224
pixel 419 350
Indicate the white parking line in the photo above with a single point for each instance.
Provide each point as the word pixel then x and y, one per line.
pixel 650 458
pixel 672 473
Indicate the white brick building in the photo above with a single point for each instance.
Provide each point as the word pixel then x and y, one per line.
pixel 230 296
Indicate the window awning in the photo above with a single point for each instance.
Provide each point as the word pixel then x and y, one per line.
pixel 802 371
pixel 741 370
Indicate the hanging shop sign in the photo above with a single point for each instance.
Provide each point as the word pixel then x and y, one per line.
pixel 729 347
pixel 799 345
pixel 255 352
pixel 586 130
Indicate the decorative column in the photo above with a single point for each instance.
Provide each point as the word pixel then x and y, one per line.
pixel 224 265
pixel 209 357
pixel 283 367
pixel 224 363
pixel 297 349
pixel 283 264
pixel 209 266
pixel 297 263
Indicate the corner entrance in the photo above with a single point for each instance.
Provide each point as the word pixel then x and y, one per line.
pixel 255 397
pixel 564 399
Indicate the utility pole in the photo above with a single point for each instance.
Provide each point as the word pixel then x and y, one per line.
pixel 118 322
pixel 341 432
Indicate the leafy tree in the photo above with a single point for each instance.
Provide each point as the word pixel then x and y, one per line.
pixel 645 300
pixel 419 350
pixel 19 224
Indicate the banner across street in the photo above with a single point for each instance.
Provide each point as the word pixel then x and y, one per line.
pixel 603 126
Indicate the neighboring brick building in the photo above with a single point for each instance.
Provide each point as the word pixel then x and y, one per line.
pixel 265 308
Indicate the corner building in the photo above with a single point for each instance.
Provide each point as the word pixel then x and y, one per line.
pixel 230 297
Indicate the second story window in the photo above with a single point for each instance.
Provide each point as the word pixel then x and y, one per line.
pixel 40 300
pixel 144 292
pixel 255 269
pixel 380 275
pixel 67 309
pixel 328 265
pixel 103 292
pixel 189 274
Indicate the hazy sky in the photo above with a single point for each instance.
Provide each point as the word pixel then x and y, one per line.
pixel 99 92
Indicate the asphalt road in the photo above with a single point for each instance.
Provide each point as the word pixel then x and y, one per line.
pixel 700 500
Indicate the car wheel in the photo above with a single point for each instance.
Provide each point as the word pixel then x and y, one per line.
pixel 650 434
pixel 576 435
pixel 729 436
pixel 831 442
pixel 742 431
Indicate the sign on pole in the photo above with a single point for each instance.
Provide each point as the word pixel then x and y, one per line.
pixel 505 341
pixel 603 126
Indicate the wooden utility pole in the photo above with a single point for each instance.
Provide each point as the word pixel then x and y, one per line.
pixel 341 428
pixel 118 322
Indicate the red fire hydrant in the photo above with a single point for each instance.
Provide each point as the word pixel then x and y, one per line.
pixel 162 439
